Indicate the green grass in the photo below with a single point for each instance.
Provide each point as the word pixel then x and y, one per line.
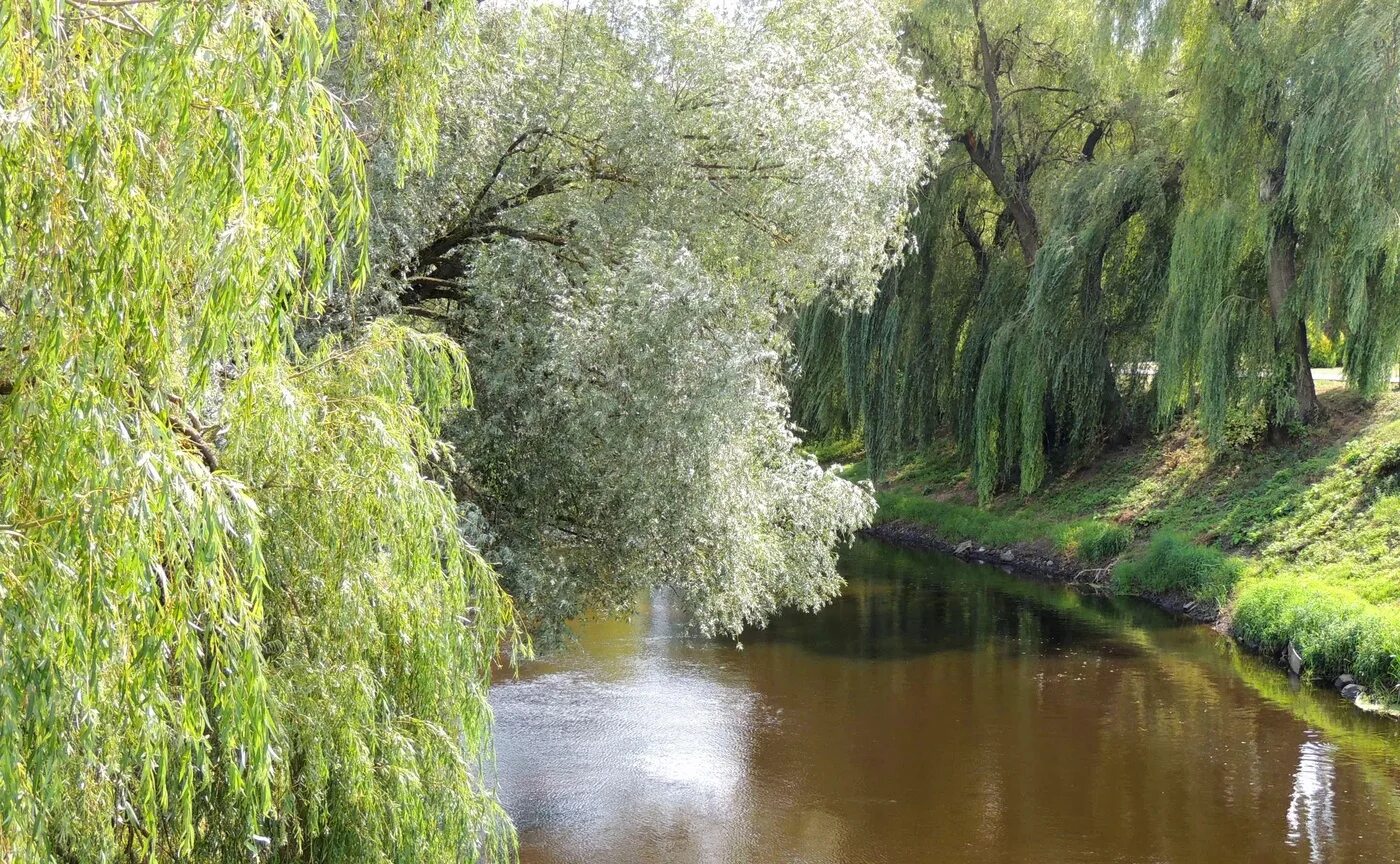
pixel 1173 564
pixel 957 522
pixel 1335 629
pixel 939 467
pixel 1298 541
pixel 1094 541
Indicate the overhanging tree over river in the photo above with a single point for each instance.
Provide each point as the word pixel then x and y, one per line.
pixel 241 615
pixel 258 550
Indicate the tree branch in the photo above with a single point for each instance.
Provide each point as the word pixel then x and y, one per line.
pixel 1091 143
pixel 973 236
pixel 191 434
pixel 524 234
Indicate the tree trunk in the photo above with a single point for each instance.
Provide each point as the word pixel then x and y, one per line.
pixel 1283 273
pixel 1090 299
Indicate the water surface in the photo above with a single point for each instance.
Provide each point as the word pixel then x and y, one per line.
pixel 937 712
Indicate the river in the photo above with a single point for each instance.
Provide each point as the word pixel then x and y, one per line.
pixel 937 712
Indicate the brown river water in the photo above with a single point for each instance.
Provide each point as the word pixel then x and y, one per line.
pixel 937 712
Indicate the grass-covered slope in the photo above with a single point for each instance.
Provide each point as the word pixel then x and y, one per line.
pixel 1298 542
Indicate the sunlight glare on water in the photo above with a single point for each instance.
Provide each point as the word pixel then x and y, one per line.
pixel 937 712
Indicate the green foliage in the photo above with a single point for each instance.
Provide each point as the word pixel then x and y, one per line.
pixel 1325 351
pixel 1098 242
pixel 881 369
pixel 1034 260
pixel 845 450
pixel 239 620
pixel 957 522
pixel 1174 564
pixel 1335 629
pixel 820 401
pixel 387 734
pixel 616 243
pixel 1090 278
pixel 1094 541
pixel 1291 202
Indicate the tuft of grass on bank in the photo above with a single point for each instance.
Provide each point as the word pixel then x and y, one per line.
pixel 1173 564
pixel 1335 629
pixel 1094 541
pixel 1297 542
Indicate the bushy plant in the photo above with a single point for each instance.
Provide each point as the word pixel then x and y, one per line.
pixel 1324 351
pixel 1245 426
pixel 1173 564
pixel 837 448
pixel 1094 541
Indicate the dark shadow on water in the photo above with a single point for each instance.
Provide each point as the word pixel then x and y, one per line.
pixel 899 605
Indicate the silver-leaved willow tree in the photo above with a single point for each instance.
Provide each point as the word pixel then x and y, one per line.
pixel 631 201
pixel 240 615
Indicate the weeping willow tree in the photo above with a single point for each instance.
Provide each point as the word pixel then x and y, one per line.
pixel 239 618
pixel 1138 195
pixel 1037 256
pixel 1290 217
pixel 1052 375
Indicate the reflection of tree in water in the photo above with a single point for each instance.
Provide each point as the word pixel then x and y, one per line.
pixel 893 613
pixel 1310 810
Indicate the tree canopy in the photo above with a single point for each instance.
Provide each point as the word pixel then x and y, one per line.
pixel 1289 219
pixel 239 617
pixel 1143 204
pixel 246 249
pixel 617 244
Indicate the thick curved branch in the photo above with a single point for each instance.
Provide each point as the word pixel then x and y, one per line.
pixel 1091 143
pixel 196 440
pixel 973 236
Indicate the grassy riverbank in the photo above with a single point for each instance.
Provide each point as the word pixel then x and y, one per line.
pixel 1298 542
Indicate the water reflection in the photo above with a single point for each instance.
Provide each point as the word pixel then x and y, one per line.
pixel 1310 811
pixel 938 713
pixel 622 727
pixel 901 619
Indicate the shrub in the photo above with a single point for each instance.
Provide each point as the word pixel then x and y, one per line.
pixel 1245 426
pixel 1094 541
pixel 1173 563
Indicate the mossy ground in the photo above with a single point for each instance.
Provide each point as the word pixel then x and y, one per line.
pixel 1298 541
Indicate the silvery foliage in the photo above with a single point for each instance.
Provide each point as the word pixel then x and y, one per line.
pixel 630 200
